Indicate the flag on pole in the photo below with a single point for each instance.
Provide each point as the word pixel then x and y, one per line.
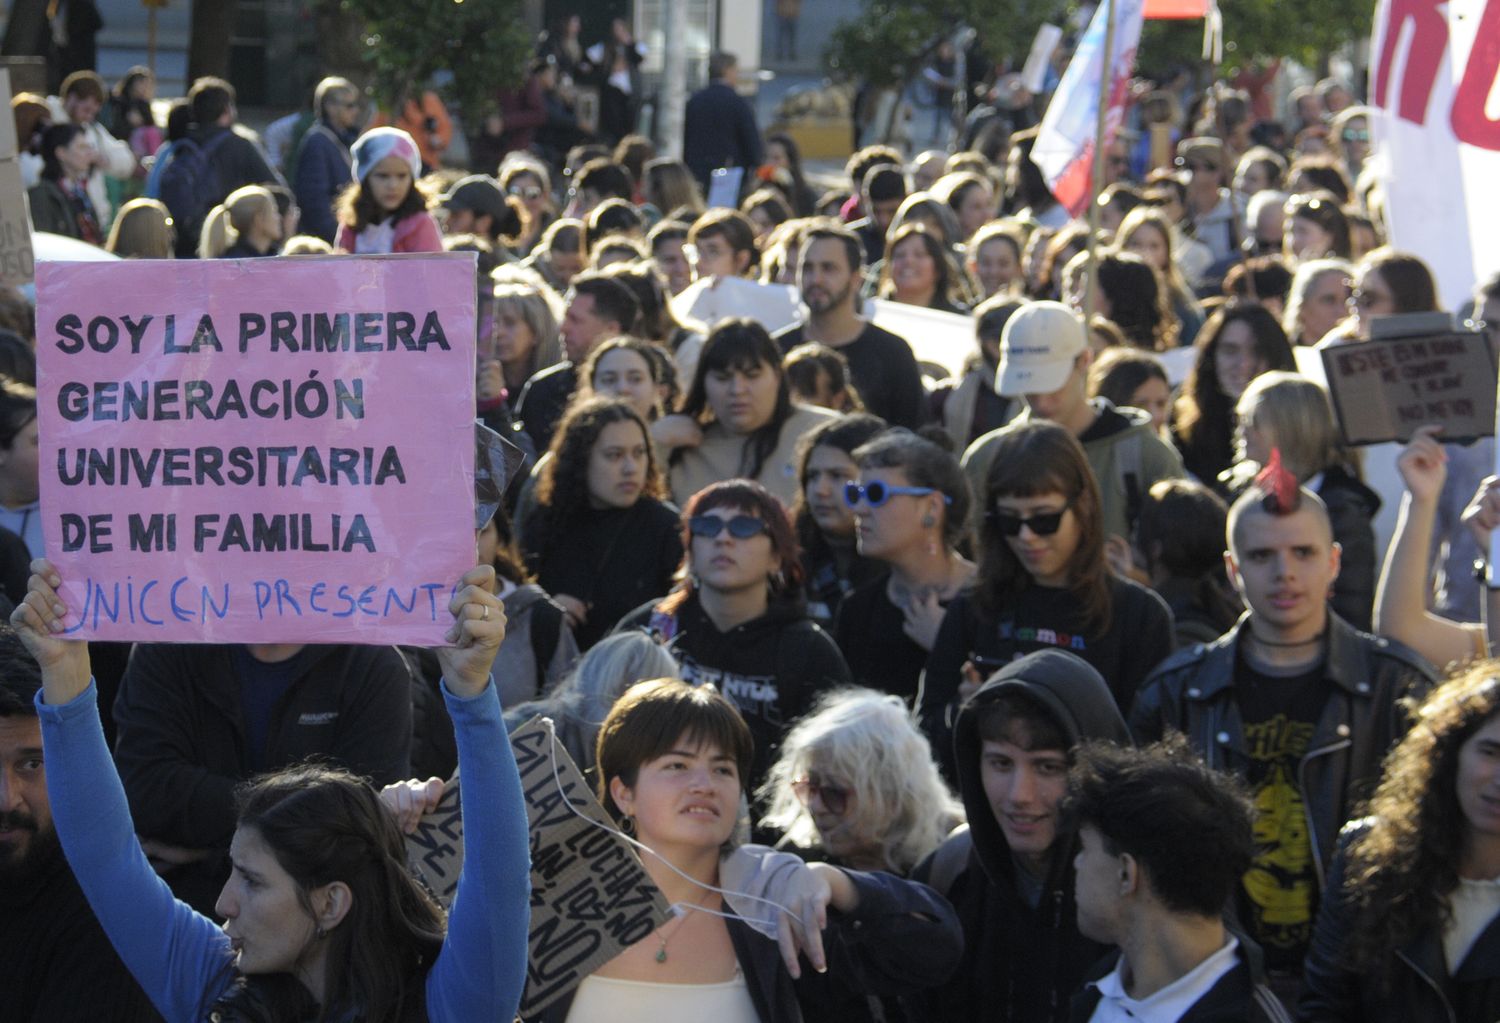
pixel 1176 8
pixel 1065 144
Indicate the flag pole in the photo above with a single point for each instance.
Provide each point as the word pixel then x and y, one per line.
pixel 1106 87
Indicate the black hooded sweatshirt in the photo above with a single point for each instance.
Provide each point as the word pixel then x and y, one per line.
pixel 1021 964
pixel 771 667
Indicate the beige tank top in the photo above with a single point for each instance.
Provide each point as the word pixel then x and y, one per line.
pixel 607 1000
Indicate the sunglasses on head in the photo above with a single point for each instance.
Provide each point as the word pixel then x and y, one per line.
pixel 1042 524
pixel 877 493
pixel 835 800
pixel 741 527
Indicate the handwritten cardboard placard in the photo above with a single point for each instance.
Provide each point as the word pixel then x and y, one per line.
pixel 260 450
pixel 1383 390
pixel 17 261
pixel 590 896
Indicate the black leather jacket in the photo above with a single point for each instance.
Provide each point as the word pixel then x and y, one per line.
pixel 1410 983
pixel 1193 692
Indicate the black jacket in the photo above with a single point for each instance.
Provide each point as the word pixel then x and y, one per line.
pixel 542 401
pixel 58 963
pixel 236 162
pixel 1411 983
pixel 719 130
pixel 1193 692
pixel 181 746
pixel 1240 996
pixel 902 937
pixel 771 668
pixel 1021 964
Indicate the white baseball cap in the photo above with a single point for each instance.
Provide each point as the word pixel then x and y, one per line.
pixel 1038 347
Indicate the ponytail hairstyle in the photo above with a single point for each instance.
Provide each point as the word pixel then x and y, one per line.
pixel 325 825
pixel 234 217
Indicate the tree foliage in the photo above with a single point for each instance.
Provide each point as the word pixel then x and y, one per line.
pixel 886 44
pixel 482 44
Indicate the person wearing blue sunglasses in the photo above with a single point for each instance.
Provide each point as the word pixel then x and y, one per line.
pixel 910 504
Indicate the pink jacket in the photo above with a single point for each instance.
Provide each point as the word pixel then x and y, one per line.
pixel 416 233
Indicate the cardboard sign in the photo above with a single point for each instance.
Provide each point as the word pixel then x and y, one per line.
pixel 1384 390
pixel 17 262
pixel 710 299
pixel 590 896
pixel 261 450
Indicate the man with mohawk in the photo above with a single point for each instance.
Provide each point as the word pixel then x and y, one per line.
pixel 1293 699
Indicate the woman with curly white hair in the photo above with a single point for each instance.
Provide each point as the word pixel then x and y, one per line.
pixel 855 783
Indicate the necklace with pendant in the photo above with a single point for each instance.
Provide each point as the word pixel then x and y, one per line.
pixel 662 939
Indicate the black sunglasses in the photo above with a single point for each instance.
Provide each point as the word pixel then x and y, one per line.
pixel 1043 524
pixel 741 527
pixel 835 800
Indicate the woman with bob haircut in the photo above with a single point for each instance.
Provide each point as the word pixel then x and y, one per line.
pixel 736 618
pixel 323 919
pixel 1408 929
pixel 911 505
pixel 1133 296
pixel 738 419
pixel 1043 581
pixel 600 538
pixel 825 525
pixel 672 762
pixel 1316 228
pixel 1287 412
pixel 1389 282
pixel 856 785
pixel 1236 345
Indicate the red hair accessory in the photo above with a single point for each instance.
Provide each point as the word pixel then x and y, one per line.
pixel 1283 492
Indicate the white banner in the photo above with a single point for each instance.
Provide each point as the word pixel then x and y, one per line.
pixel 1433 68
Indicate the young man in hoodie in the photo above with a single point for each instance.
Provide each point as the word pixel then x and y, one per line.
pixel 1009 874
pixel 1045 358
pixel 1160 899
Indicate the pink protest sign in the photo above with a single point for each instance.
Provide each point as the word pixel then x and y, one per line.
pixel 261 450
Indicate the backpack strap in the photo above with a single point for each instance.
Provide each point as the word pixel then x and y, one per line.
pixel 950 860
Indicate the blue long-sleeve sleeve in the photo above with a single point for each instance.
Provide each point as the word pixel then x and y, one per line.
pixel 182 959
pixel 481 970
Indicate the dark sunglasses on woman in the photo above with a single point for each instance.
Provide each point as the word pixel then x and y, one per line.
pixel 1042 524
pixel 741 527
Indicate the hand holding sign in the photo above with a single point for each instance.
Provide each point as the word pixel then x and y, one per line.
pixel 38 619
pixel 1423 465
pixel 476 634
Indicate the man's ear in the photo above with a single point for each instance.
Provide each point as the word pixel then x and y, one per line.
pixel 1336 559
pixel 1131 875
pixel 1232 570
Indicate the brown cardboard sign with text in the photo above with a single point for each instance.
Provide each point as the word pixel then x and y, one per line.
pixel 590 896
pixel 17 261
pixel 1383 390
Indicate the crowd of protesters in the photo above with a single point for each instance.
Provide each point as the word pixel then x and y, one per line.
pixel 1059 689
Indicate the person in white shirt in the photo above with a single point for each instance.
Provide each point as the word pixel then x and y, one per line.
pixel 79 101
pixel 1163 843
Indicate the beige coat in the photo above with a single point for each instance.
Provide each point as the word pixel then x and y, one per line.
pixel 722 456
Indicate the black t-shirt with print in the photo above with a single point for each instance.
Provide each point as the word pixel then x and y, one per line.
pixel 1279 894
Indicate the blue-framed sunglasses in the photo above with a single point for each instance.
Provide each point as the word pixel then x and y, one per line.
pixel 877 493
pixel 741 527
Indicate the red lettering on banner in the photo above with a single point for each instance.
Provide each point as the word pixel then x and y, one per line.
pixel 1429 41
pixel 1470 122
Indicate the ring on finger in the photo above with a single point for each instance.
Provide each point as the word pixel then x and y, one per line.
pixel 486 616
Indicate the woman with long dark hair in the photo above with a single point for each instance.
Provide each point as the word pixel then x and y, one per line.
pixel 1236 345
pixel 1408 928
pixel 824 521
pixel 1133 296
pixel 736 619
pixel 785 161
pixel 738 419
pixel 1043 581
pixel 323 920
pixel 600 539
